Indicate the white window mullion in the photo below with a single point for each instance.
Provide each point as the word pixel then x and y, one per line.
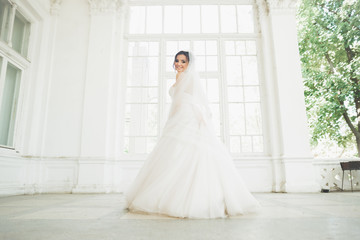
pixel 5 23
pixel 162 86
pixel 26 39
pixel 182 20
pixel 11 25
pixel 14 110
pixel 224 110
pixel 3 64
pixel 163 20
pixel 219 18
pixel 200 19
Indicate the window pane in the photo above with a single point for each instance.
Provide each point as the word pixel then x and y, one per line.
pixel 235 144
pixel 252 94
pixel 258 145
pixel 230 48
pixel 19 36
pixel 215 110
pixel 209 19
pixel 133 117
pixel 5 8
pixel 250 71
pixel 172 19
pixel 240 48
pixel 153 63
pixel 233 70
pixel 246 144
pixel 142 49
pixel 131 49
pixel 228 19
pixel 191 19
pixel 142 95
pixel 153 49
pixel 150 144
pixel 154 19
pixel 253 119
pixel 137 20
pixel 138 145
pixel 9 105
pixel 245 19
pixel 151 119
pixel 236 119
pixel 212 90
pixel 171 48
pixel 251 47
pixel 235 94
pixel 184 45
pixel 169 64
pixel 199 47
pixel 211 63
pixel 243 95
pixel 200 64
pixel 211 48
pixel 137 71
pixel 143 70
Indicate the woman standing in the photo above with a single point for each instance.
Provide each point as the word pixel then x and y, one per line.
pixel 190 173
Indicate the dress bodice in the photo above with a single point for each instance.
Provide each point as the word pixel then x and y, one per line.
pixel 185 97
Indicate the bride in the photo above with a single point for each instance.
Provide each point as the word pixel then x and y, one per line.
pixel 189 174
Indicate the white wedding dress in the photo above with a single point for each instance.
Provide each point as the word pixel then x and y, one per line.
pixel 190 173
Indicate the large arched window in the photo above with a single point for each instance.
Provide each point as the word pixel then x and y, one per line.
pixel 224 39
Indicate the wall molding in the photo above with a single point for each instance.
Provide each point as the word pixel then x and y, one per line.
pixel 55 6
pixel 282 4
pixel 105 6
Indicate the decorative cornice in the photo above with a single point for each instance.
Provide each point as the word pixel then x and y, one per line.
pixel 262 8
pixel 105 6
pixel 275 6
pixel 55 6
pixel 282 4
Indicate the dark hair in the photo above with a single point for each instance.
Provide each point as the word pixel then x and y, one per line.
pixel 185 53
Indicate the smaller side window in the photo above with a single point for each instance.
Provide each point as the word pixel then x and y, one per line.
pixel 9 101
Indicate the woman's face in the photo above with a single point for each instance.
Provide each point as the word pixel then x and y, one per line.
pixel 181 63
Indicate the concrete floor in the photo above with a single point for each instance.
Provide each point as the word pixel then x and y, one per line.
pixel 101 217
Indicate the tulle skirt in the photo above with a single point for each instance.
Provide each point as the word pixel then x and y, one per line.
pixel 189 174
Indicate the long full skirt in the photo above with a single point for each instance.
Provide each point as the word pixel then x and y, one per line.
pixel 189 174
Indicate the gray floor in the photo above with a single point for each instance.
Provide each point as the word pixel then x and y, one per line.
pixel 101 217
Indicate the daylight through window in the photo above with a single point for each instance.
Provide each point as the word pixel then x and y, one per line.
pixel 224 41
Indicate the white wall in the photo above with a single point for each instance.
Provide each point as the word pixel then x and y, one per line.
pixel 67 81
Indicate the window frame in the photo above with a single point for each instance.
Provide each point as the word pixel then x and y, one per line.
pixel 17 59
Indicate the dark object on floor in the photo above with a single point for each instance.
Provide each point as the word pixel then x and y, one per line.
pixel 353 165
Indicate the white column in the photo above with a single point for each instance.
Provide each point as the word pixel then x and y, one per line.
pixel 271 101
pixel 293 169
pixel 96 153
